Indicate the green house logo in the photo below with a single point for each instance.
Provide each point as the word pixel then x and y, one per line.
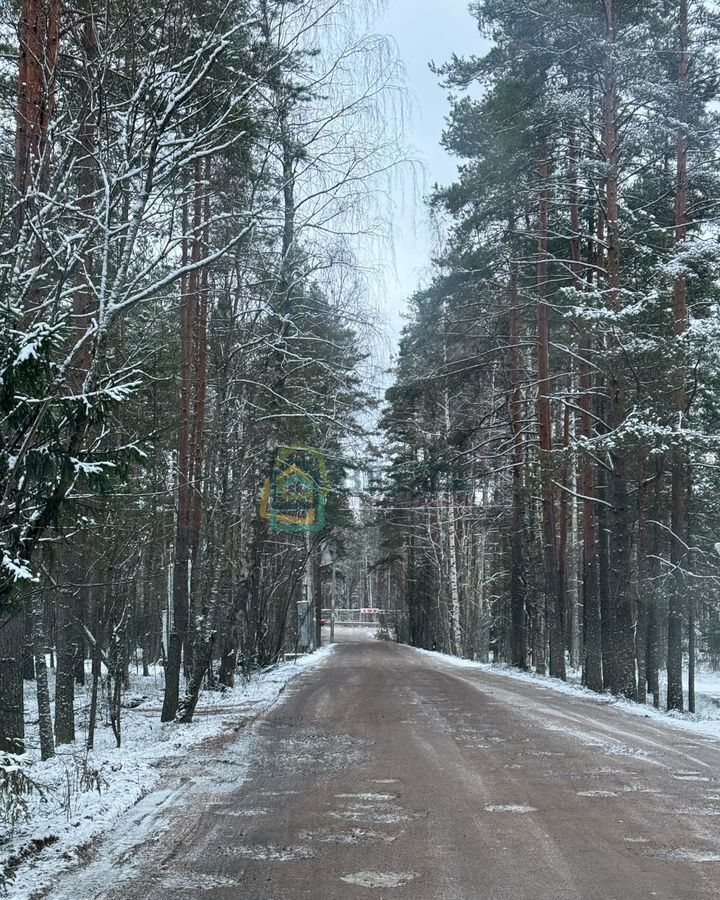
pixel 294 495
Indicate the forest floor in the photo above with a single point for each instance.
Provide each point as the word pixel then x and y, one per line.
pixel 79 795
pixel 391 773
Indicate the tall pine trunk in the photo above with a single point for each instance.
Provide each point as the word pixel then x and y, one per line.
pixel 518 637
pixel 39 41
pixel 65 636
pixel 563 531
pixel 47 744
pixel 39 38
pixel 592 657
pixel 455 625
pixel 87 184
pixel 12 721
pixel 549 537
pixel 623 676
pixel 680 316
pixel 181 570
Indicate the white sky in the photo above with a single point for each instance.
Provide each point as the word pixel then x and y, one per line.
pixel 424 30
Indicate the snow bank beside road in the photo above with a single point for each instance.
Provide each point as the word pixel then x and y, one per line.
pixel 352 632
pixel 80 795
pixel 705 721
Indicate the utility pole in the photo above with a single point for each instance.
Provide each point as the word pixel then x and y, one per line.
pixel 327 558
pixel 310 593
pixel 332 600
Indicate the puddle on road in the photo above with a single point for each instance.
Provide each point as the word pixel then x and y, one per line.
pixel 369 797
pixel 380 879
pixel 690 776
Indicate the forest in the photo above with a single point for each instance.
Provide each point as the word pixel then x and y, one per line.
pixel 185 189
pixel 194 195
pixel 551 481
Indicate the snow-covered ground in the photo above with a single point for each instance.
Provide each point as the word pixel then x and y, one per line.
pixel 80 794
pixel 350 632
pixel 706 719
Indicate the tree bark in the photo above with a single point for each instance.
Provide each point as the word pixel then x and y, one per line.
pixel 318 594
pixel 200 244
pixel 12 722
pixel 83 303
pixel 45 727
pixel 81 608
pixel 550 555
pixel 65 636
pixel 653 566
pixel 603 570
pixel 592 657
pixel 455 624
pixel 623 676
pixel 518 638
pixel 181 570
pixel 28 662
pixel 39 38
pixel 563 533
pixel 94 691
pixel 678 550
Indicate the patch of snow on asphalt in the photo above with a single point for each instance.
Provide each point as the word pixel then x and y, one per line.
pixel 509 808
pixel 371 814
pixel 243 813
pixel 694 856
pixel 353 836
pixel 598 794
pixel 380 879
pixel 189 881
pixel 382 798
pixel 270 852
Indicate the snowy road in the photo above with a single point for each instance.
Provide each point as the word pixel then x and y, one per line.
pixel 388 773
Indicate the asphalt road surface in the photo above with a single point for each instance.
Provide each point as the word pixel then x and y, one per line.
pixel 387 773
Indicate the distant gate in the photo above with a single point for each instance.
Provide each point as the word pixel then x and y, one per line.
pixel 354 617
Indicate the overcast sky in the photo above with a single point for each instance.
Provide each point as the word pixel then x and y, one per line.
pixel 424 30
